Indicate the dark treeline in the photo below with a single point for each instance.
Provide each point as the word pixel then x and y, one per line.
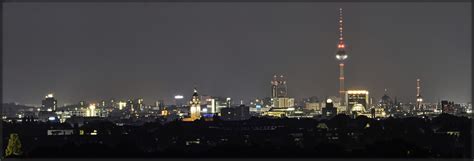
pixel 445 136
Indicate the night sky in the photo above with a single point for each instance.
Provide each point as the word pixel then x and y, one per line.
pixel 94 51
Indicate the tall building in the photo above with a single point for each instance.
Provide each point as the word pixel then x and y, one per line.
pixel 329 111
pixel 122 105
pixel 259 106
pixel 112 103
pixel 357 98
pixel 49 103
pixel 386 101
pixel 241 112
pixel 280 99
pixel 195 109
pixel 447 107
pixel 135 105
pixel 82 104
pixel 419 99
pixel 341 56
pixel 283 102
pixel 377 112
pixel 160 104
pixel 278 86
pixel 312 104
pixel 91 111
pixel 215 104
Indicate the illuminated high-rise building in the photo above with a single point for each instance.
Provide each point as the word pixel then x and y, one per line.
pixel 283 102
pixel 102 103
pixel 91 111
pixel 215 104
pixel 278 86
pixel 195 109
pixel 313 104
pixel 160 104
pixel 82 104
pixel 112 103
pixel 49 103
pixel 358 99
pixel 329 111
pixel 341 56
pixel 386 101
pixel 419 99
pixel 241 112
pixel 135 105
pixel 280 97
pixel 447 106
pixel 122 105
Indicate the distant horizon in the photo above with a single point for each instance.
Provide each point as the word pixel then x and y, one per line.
pixel 246 102
pixel 93 52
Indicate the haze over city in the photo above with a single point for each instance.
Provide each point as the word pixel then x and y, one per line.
pixel 91 51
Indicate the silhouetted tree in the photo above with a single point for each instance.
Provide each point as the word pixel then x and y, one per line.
pixel 14 146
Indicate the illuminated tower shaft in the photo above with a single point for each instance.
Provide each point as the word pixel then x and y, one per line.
pixel 341 56
pixel 419 99
pixel 341 84
pixel 417 87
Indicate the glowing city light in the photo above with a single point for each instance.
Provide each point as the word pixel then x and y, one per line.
pixel 122 105
pixel 92 106
pixel 357 92
pixel 329 100
pixel 178 97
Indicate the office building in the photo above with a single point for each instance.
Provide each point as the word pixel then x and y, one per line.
pixel 313 106
pixel 49 103
pixel 279 93
pixel 160 104
pixel 329 110
pixel 135 105
pixel 215 104
pixel 279 88
pixel 283 102
pixel 241 112
pixel 447 107
pixel 387 103
pixel 377 112
pixel 357 97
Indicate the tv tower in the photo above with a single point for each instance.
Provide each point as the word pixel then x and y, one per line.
pixel 419 99
pixel 341 56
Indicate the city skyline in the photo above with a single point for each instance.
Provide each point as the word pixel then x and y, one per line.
pixel 297 42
